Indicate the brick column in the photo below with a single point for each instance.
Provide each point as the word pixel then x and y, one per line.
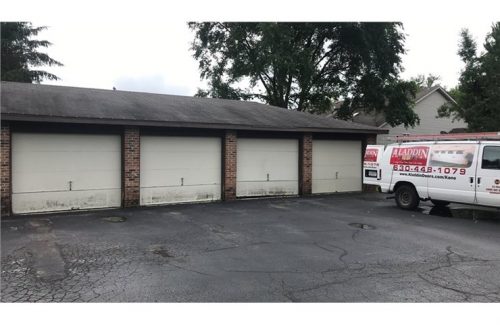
pixel 305 164
pixel 6 180
pixel 371 139
pixel 131 153
pixel 229 167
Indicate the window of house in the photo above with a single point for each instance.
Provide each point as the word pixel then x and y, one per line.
pixel 491 158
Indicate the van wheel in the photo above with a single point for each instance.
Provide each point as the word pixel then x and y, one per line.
pixel 407 197
pixel 440 203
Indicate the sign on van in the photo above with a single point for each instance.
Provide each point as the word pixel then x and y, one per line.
pixel 371 157
pixel 371 154
pixel 416 156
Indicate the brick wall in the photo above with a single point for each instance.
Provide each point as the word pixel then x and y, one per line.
pixel 131 167
pixel 371 139
pixel 229 168
pixel 5 170
pixel 305 165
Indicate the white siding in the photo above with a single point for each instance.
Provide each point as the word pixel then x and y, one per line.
pixel 427 110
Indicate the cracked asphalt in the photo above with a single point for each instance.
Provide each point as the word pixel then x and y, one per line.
pixel 286 249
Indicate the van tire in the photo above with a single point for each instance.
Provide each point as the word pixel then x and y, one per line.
pixel 439 203
pixel 407 197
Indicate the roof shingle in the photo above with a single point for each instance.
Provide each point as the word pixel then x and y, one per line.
pixel 35 102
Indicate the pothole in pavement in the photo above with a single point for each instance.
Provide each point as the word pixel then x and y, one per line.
pixel 160 250
pixel 362 226
pixel 114 219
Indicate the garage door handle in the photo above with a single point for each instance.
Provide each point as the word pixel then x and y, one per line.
pixel 268 177
pixel 182 181
pixel 70 185
pixel 336 175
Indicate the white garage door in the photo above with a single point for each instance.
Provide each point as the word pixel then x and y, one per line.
pixel 53 172
pixel 180 169
pixel 336 166
pixel 267 167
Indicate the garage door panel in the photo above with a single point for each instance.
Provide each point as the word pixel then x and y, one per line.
pixel 64 161
pixel 348 185
pixel 336 166
pixel 180 144
pixel 172 177
pixel 54 181
pixel 267 188
pixel 65 200
pixel 323 186
pixel 57 142
pixel 186 159
pixel 257 169
pixel 43 165
pixel 179 194
pixel 267 167
pixel 180 169
pixel 268 145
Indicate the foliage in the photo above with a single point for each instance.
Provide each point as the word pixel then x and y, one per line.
pixel 307 66
pixel 20 53
pixel 477 95
pixel 424 81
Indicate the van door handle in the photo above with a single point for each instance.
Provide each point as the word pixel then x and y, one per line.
pixel 478 180
pixel 471 180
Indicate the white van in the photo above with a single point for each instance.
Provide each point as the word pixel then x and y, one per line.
pixel 460 168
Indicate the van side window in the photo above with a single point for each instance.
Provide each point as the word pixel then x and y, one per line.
pixel 491 158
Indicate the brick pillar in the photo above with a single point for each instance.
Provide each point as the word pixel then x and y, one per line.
pixel 229 168
pixel 131 154
pixel 305 165
pixel 371 139
pixel 5 176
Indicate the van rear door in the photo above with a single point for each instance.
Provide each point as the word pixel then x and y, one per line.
pixel 488 175
pixel 371 164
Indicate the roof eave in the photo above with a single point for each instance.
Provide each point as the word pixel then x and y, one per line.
pixel 441 90
pixel 80 120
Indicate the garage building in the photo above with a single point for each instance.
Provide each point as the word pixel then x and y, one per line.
pixel 66 148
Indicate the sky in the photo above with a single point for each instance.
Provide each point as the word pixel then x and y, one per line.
pixel 155 56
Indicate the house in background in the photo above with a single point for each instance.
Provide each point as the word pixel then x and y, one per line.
pixel 427 103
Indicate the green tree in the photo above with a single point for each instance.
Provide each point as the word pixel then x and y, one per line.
pixel 307 66
pixel 478 91
pixel 424 81
pixel 20 53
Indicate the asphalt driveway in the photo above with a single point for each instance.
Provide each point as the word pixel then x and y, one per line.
pixel 339 248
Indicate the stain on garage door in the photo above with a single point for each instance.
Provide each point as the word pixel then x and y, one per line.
pixel 180 169
pixel 267 167
pixel 53 172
